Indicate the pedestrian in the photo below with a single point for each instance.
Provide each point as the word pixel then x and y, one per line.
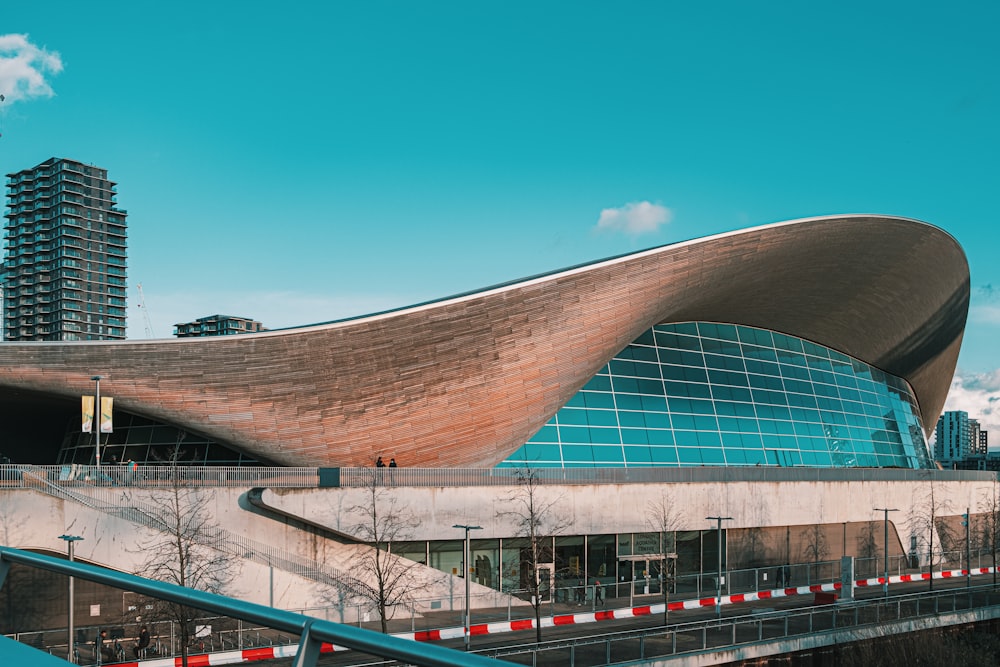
pixel 379 463
pixel 392 463
pixel 101 652
pixel 142 643
pixel 598 593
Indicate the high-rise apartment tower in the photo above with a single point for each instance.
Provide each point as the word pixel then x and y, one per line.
pixel 64 274
pixel 953 437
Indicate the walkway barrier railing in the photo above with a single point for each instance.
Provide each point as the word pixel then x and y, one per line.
pixel 315 635
pixel 756 628
pixel 218 633
pixel 111 501
pixel 354 477
pixel 115 475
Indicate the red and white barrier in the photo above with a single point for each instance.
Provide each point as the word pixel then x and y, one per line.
pixel 272 652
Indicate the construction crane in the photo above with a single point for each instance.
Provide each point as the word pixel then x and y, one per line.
pixel 145 313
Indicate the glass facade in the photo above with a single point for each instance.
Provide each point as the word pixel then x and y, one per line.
pixel 711 394
pixel 624 563
pixel 148 442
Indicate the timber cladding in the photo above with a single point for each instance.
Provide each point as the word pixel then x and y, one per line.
pixel 465 381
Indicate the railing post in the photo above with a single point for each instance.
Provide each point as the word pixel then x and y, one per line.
pixel 308 651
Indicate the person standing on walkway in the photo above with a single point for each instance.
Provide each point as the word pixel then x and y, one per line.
pixel 103 653
pixel 142 643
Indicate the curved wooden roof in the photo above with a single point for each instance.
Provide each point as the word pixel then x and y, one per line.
pixel 465 381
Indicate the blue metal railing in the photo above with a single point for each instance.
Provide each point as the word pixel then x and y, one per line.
pixel 312 632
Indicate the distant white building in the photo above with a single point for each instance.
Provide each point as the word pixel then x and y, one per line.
pixel 217 325
pixel 953 437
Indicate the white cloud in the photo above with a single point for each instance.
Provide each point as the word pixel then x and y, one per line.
pixel 985 313
pixel 634 218
pixel 24 67
pixel 979 395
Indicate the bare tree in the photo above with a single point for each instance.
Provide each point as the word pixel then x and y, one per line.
pixel 663 517
pixel 987 525
pixel 27 594
pixel 382 522
pixel 749 547
pixel 868 546
pixel 814 544
pixel 184 551
pixel 536 517
pixel 924 516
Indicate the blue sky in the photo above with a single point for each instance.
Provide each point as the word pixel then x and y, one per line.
pixel 301 162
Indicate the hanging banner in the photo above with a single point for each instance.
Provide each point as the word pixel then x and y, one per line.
pixel 106 404
pixel 87 424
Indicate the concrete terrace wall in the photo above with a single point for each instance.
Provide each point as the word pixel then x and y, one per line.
pixel 30 519
pixel 609 508
pixel 33 520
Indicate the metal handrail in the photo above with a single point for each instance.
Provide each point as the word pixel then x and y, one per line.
pixel 360 477
pixel 311 631
pixel 275 477
pixel 118 475
pixel 217 538
pixel 852 609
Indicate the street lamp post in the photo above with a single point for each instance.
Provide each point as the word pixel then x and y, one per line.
pixel 270 574
pixel 885 545
pixel 97 418
pixel 718 572
pixel 466 552
pixel 70 652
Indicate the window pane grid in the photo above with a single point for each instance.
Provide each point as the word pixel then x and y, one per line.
pixel 718 394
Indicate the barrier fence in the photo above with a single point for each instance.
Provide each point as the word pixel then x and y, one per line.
pixel 221 640
pixel 250 476
pixel 119 475
pixel 314 635
pixel 753 628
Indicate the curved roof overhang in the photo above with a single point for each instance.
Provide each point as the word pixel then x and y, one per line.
pixel 465 381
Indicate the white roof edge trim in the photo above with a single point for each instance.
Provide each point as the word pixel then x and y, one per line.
pixel 599 263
